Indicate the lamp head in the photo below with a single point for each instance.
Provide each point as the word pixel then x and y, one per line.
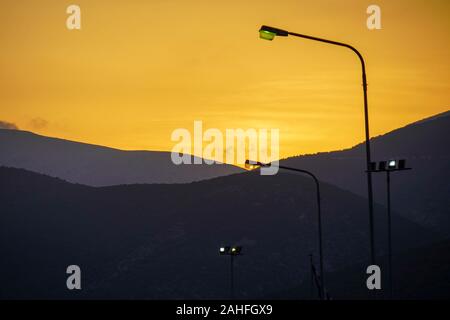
pixel 269 33
pixel 251 165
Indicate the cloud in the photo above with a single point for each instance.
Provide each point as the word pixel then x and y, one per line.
pixel 38 123
pixel 8 125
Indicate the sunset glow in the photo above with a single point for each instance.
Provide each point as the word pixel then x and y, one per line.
pixel 137 70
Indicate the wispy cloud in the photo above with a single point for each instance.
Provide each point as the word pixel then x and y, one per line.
pixel 8 125
pixel 38 123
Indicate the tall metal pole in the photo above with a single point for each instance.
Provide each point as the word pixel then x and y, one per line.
pixel 389 233
pixel 367 134
pixel 368 159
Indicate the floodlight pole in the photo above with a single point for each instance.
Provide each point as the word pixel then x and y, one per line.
pixel 232 276
pixel 231 251
pixel 388 180
pixel 388 200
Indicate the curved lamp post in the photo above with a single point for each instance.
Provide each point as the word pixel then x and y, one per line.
pixel 255 164
pixel 269 33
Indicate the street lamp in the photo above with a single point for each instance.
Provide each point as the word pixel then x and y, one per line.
pixel 392 166
pixel 254 164
pixel 269 33
pixel 232 252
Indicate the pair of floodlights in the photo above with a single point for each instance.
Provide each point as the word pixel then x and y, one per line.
pixel 230 251
pixel 391 165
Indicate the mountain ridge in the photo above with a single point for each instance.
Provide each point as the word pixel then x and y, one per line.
pixel 420 194
pixel 160 240
pixel 98 165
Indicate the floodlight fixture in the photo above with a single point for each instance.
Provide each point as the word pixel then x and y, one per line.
pixel 224 250
pixel 235 251
pixel 392 164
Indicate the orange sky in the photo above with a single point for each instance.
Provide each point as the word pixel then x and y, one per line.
pixel 140 69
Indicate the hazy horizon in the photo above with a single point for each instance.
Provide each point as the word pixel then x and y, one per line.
pixel 152 150
pixel 138 70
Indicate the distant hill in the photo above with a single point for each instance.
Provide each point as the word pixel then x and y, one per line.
pixel 160 241
pixel 421 195
pixel 96 165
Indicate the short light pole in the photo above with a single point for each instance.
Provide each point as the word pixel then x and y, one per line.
pixel 232 252
pixel 255 164
pixel 269 33
pixel 388 167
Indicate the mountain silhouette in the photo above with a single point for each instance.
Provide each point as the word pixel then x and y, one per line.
pixel 96 165
pixel 160 241
pixel 419 273
pixel 420 194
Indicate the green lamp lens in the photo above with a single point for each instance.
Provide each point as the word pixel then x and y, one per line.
pixel 266 35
